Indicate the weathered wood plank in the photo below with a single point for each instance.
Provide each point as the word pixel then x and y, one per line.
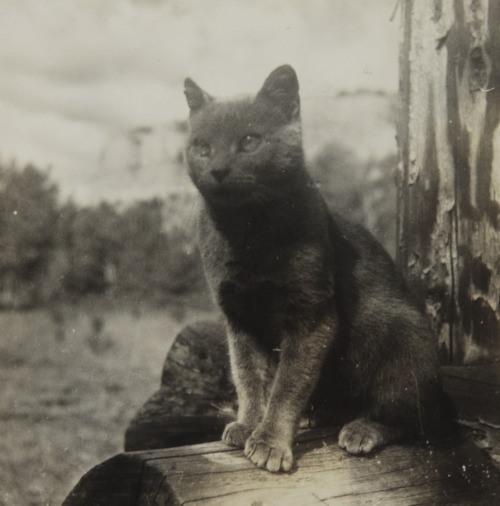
pixel 488 374
pixel 475 391
pixel 455 473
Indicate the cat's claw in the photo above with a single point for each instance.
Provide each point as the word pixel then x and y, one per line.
pixel 269 455
pixel 362 436
pixel 236 434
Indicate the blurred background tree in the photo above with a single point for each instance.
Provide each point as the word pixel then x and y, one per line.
pixel 145 252
pixel 364 191
pixel 89 239
pixel 28 212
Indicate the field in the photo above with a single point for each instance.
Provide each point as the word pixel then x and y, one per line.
pixel 71 379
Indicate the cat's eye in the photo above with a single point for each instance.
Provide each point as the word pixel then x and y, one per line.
pixel 249 143
pixel 201 148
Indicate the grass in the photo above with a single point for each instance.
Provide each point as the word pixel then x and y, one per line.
pixel 71 380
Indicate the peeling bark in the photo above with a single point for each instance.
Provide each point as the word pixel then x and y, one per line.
pixel 449 177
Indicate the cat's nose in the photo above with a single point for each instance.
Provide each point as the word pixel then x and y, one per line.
pixel 220 174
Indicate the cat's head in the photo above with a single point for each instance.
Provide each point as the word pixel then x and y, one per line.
pixel 248 150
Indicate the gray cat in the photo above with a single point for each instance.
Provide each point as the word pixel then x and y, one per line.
pixel 318 319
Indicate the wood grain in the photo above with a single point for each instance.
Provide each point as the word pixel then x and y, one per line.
pixel 455 473
pixel 475 391
pixel 449 177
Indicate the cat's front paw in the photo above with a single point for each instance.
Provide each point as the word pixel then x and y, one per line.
pixel 362 436
pixel 236 434
pixel 268 452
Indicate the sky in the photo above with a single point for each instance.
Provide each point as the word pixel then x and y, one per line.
pixel 76 74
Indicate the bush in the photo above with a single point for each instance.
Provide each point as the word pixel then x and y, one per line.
pixel 146 251
pixel 365 191
pixel 28 210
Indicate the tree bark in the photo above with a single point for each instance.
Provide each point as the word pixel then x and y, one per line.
pixel 449 176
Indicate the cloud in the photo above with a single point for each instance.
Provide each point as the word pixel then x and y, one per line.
pixel 74 73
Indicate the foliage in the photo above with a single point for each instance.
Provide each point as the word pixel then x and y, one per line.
pixel 157 256
pixel 89 238
pixel 339 174
pixel 28 210
pixel 365 191
pixel 145 251
pixel 50 251
pixel 130 253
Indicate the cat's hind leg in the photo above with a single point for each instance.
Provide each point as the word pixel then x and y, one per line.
pixel 364 435
pixel 401 400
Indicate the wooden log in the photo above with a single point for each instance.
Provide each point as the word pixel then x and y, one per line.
pixel 196 398
pixel 455 472
pixel 449 180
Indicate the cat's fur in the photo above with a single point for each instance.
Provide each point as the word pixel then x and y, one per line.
pixel 317 316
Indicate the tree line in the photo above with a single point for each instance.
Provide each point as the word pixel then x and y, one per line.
pixel 52 251
pixel 146 250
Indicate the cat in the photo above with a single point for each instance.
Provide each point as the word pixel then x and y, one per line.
pixel 318 318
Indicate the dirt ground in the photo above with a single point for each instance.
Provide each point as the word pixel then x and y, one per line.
pixel 70 382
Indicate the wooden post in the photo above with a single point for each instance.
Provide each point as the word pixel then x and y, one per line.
pixel 449 178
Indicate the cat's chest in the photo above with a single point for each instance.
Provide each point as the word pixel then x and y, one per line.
pixel 268 288
pixel 255 299
pixel 254 289
pixel 247 264
pixel 261 277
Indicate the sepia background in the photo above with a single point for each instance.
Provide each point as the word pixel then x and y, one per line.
pixel 98 260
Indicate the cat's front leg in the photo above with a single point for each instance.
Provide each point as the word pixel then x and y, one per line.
pixel 301 360
pixel 250 371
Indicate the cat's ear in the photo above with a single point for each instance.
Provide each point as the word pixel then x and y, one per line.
pixel 195 96
pixel 282 89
